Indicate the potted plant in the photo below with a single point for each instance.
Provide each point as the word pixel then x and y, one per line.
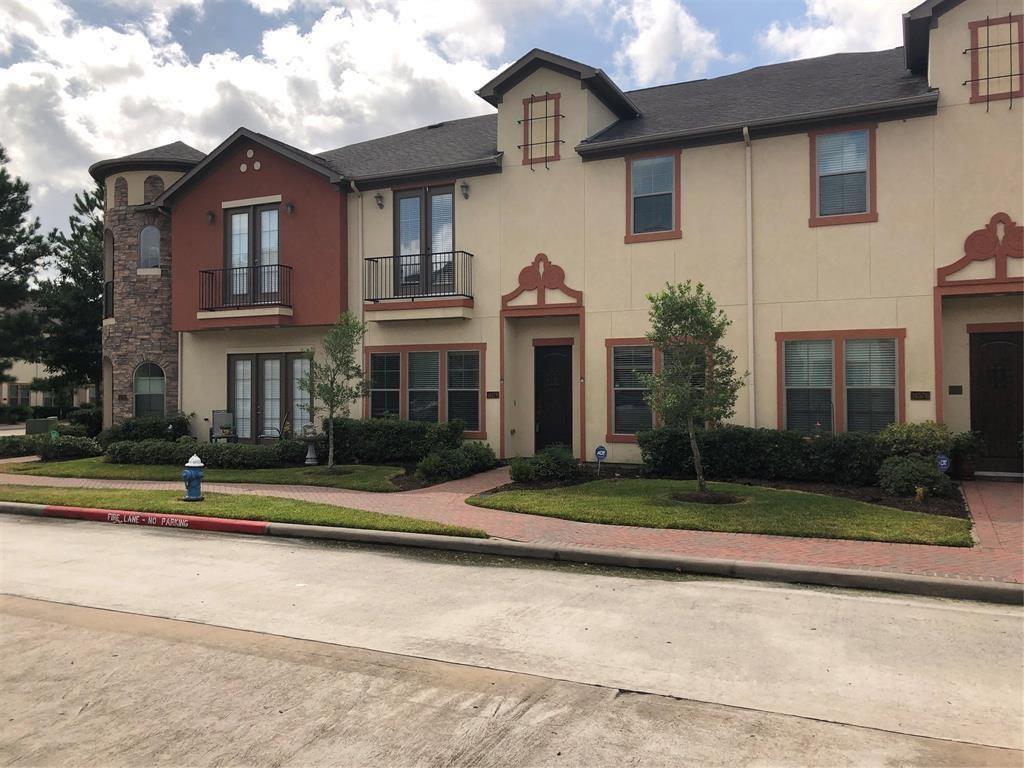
pixel 966 447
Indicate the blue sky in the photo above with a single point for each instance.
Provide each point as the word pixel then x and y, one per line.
pixel 81 80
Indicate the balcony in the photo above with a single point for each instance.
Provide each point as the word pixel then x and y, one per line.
pixel 258 291
pixel 419 286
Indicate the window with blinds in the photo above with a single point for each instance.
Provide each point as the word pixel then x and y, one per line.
pixel 842 172
pixel 464 388
pixel 653 191
pixel 870 381
pixel 808 385
pixel 424 385
pixel 631 411
pixel 385 384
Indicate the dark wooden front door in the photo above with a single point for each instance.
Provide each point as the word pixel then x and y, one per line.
pixel 997 398
pixel 552 396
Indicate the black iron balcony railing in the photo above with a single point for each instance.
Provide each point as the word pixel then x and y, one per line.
pixel 245 287
pixel 419 276
pixel 108 299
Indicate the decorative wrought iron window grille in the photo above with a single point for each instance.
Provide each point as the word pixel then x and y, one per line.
pixel 986 49
pixel 548 141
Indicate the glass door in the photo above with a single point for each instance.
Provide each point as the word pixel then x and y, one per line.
pixel 442 241
pixel 409 243
pixel 241 386
pixel 237 279
pixel 269 275
pixel 267 396
pixel 271 396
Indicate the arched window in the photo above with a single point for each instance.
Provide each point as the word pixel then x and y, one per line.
pixel 149 390
pixel 149 247
pixel 108 274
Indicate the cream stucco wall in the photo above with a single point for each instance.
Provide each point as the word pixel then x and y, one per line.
pixel 136 181
pixel 24 372
pixel 939 178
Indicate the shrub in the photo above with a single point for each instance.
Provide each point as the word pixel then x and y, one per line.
pixel 389 441
pixel 850 458
pixel 73 430
pixel 554 464
pixel 67 447
pixel 214 455
pixel 290 452
pixel 12 414
pixel 924 438
pixel 148 428
pixel 17 445
pixel 903 475
pixel 453 463
pixel 45 411
pixel 91 418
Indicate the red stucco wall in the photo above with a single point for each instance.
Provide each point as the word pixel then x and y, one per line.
pixel 312 240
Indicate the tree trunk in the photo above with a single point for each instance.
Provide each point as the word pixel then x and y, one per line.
pixel 698 466
pixel 330 441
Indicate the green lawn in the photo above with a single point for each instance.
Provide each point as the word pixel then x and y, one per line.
pixel 354 477
pixel 647 503
pixel 240 507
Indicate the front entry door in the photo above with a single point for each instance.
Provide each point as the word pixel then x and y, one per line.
pixel 552 396
pixel 997 398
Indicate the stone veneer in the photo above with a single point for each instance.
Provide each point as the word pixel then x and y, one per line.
pixel 141 328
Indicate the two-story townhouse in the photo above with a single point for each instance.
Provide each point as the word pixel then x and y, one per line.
pixel 857 216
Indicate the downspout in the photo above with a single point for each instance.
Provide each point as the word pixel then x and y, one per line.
pixel 362 276
pixel 751 392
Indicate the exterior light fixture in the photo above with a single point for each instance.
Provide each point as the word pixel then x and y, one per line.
pixel 464 188
pixel 290 207
pixel 210 217
pixel 379 198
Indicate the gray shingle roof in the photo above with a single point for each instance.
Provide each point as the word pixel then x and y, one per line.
pixel 451 143
pixel 177 153
pixel 774 92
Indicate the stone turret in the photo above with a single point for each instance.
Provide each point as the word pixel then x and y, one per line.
pixel 140 351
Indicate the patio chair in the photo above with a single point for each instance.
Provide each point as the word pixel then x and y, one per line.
pixel 223 427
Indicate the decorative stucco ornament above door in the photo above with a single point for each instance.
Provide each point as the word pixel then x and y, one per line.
pixel 998 241
pixel 541 279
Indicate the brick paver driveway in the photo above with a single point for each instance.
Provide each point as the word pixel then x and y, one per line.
pixel 997 509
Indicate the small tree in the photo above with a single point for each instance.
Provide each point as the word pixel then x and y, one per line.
pixel 336 380
pixel 697 383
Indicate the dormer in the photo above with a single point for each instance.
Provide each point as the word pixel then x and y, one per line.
pixel 547 104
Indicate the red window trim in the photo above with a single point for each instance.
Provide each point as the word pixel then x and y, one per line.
pixel 610 344
pixel 976 87
pixel 442 403
pixel 838 372
pixel 528 129
pixel 677 211
pixel 845 218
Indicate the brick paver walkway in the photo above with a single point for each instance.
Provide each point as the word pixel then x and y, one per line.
pixel 997 509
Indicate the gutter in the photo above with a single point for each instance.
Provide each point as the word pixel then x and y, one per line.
pixel 751 391
pixel 734 131
pixel 490 164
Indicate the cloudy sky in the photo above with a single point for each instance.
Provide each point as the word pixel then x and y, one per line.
pixel 82 80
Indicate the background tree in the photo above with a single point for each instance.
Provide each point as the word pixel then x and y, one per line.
pixel 697 383
pixel 335 380
pixel 71 303
pixel 22 250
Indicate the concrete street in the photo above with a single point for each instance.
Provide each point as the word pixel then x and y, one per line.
pixel 286 652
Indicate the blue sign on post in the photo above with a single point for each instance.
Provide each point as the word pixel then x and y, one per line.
pixel 942 462
pixel 600 453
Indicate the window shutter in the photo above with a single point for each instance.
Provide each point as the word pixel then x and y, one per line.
pixel 842 160
pixel 870 375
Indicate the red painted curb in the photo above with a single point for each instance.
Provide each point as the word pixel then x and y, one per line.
pixel 159 519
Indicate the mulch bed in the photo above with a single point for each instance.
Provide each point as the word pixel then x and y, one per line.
pixel 871 495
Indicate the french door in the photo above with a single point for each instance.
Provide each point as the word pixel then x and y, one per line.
pixel 251 255
pixel 425 241
pixel 266 395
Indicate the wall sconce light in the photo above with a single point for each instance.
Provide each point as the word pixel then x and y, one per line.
pixel 379 198
pixel 464 188
pixel 290 207
pixel 210 216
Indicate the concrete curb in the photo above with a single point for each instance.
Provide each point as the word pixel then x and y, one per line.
pixel 930 586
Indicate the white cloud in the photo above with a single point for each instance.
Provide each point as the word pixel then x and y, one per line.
pixel 86 92
pixel 663 43
pixel 833 26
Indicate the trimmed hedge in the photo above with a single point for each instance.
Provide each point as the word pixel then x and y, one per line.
pixel 147 428
pixel 89 417
pixel 388 441
pixel 554 464
pixel 214 455
pixel 18 445
pixel 67 447
pixel 924 438
pixel 903 475
pixel 764 454
pixel 12 414
pixel 453 463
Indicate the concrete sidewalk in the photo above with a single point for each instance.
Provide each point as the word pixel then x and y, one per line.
pixel 996 507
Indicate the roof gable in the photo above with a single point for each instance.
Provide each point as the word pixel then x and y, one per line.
pixel 299 156
pixel 591 78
